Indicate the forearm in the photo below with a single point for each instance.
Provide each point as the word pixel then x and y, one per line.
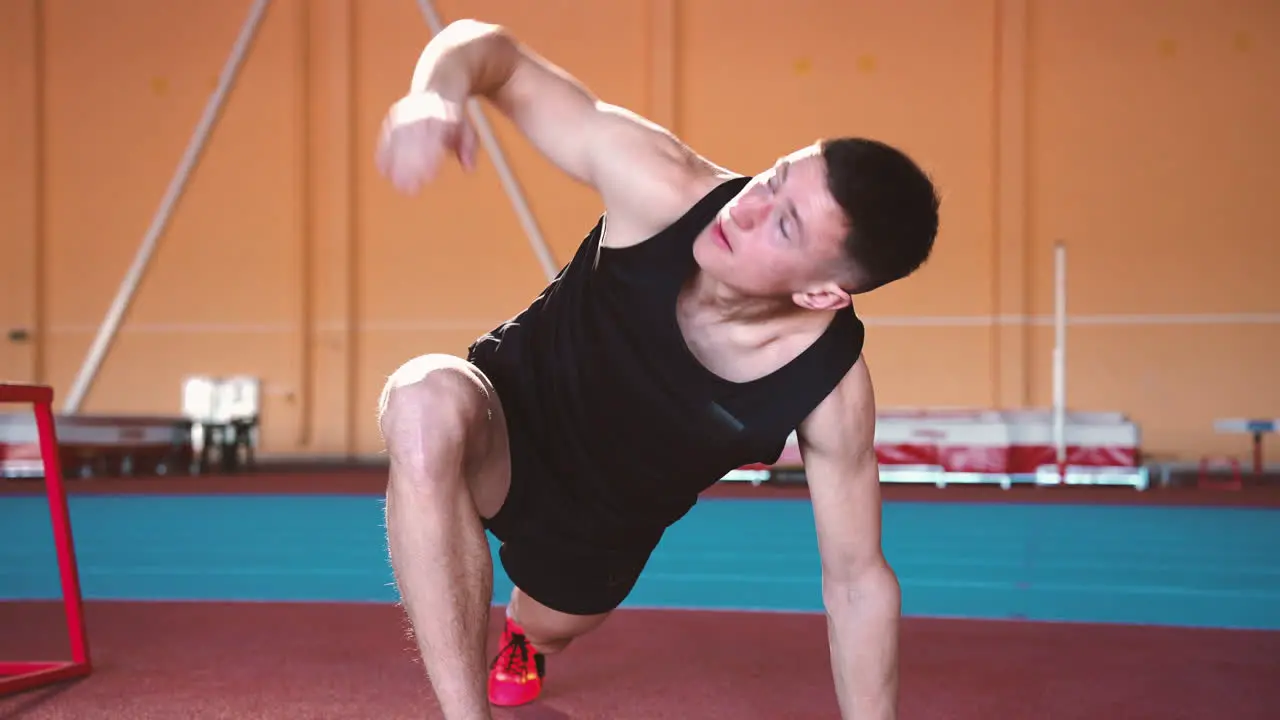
pixel 862 624
pixel 467 58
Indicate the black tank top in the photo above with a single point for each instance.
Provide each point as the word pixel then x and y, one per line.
pixel 626 427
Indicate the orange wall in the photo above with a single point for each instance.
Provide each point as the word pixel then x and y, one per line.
pixel 1142 133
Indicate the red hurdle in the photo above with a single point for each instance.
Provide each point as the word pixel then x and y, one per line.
pixel 18 676
pixel 1205 479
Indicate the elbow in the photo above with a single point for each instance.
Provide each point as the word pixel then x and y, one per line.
pixel 464 30
pixel 476 34
pixel 475 38
pixel 467 57
pixel 494 55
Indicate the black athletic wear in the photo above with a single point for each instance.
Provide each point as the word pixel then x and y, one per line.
pixel 615 426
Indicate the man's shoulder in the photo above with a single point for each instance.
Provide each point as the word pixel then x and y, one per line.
pixel 667 202
pixel 851 402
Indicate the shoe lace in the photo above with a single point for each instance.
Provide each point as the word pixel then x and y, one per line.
pixel 514 655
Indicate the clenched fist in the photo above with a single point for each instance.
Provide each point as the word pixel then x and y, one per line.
pixel 418 131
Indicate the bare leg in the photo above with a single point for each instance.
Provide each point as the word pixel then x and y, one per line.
pixel 446 439
pixel 550 631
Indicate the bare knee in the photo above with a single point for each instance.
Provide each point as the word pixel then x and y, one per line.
pixel 550 641
pixel 551 647
pixel 428 413
pixel 550 631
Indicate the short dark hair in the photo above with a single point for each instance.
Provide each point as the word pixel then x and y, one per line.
pixel 891 206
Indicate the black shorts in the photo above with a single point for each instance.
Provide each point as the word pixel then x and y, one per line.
pixel 546 547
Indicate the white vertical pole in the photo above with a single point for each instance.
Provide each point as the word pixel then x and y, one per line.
pixel 508 178
pixel 129 286
pixel 1060 357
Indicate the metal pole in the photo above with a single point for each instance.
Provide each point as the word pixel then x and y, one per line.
pixel 129 286
pixel 1060 357
pixel 509 182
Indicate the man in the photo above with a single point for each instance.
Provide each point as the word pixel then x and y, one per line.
pixel 704 318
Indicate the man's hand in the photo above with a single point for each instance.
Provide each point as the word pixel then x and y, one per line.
pixel 419 131
pixel 860 591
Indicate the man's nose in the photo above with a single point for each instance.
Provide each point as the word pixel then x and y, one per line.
pixel 749 212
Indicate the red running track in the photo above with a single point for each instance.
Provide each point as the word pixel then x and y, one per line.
pixel 332 661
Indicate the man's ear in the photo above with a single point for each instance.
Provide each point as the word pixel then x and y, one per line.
pixel 824 297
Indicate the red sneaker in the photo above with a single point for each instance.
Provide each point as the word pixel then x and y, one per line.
pixel 513 679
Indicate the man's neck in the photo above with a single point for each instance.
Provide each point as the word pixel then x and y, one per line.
pixel 708 296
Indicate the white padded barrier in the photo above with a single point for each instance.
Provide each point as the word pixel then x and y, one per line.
pixel 975 446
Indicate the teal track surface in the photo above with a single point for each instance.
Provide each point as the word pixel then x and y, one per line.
pixel 1192 566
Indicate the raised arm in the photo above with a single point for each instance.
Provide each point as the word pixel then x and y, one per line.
pixel 643 173
pixel 859 589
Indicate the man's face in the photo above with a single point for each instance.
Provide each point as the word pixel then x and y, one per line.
pixel 782 236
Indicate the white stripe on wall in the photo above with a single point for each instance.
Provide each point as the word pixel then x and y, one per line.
pixel 1096 319
pixel 480 325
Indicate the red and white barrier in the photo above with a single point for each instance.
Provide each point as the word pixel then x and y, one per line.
pixel 97 445
pixel 945 447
